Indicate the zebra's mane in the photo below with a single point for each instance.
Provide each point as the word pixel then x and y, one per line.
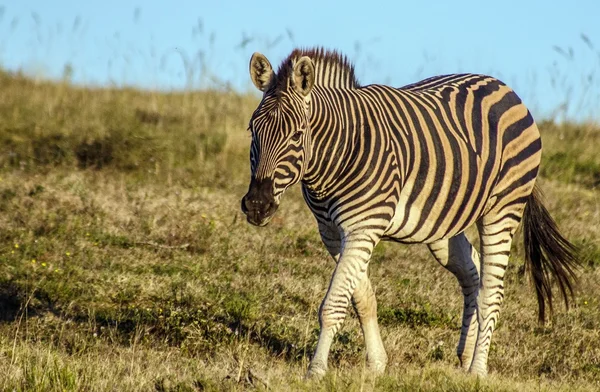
pixel 332 69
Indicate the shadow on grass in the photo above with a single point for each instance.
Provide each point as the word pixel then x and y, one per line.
pixel 15 299
pixel 200 327
pixel 11 301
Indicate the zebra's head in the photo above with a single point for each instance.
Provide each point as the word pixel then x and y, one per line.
pixel 281 141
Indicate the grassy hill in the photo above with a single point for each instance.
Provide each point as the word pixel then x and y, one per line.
pixel 126 264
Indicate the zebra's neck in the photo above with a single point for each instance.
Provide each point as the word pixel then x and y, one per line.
pixel 337 125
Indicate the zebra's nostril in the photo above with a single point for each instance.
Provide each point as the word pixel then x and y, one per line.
pixel 248 205
pixel 254 205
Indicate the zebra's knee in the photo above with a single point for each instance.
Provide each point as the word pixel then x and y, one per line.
pixel 364 301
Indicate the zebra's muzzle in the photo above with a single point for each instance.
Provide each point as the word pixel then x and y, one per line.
pixel 259 204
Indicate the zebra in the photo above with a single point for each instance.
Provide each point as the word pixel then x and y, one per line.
pixel 417 164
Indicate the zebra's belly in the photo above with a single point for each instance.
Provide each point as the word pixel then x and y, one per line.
pixel 418 221
pixel 406 227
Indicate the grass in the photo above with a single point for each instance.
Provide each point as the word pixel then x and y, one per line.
pixel 125 263
pixel 571 153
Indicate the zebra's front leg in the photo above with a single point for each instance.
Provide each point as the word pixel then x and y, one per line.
pixel 364 302
pixel 458 256
pixel 350 271
pixel 365 305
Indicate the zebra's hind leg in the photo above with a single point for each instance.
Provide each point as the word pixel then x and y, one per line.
pixel 458 256
pixel 496 234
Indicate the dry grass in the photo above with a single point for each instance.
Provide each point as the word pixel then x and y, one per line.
pixel 125 263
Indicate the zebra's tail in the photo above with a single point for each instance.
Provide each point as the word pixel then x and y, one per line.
pixel 548 255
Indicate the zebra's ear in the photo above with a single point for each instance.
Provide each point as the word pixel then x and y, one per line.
pixel 261 71
pixel 303 77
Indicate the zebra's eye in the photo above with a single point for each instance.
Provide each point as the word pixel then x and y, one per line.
pixel 296 136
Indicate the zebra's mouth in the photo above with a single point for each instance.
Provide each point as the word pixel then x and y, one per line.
pixel 261 219
pixel 260 223
pixel 259 214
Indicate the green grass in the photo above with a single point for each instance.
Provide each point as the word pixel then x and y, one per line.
pixel 125 263
pixel 571 154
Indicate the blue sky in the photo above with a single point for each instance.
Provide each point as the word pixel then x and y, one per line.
pixel 535 46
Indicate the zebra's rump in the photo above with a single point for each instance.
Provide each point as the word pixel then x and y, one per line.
pixel 465 143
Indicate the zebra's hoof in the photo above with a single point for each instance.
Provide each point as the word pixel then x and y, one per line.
pixel 316 371
pixel 376 367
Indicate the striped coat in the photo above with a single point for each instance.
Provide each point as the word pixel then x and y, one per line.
pixel 417 164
